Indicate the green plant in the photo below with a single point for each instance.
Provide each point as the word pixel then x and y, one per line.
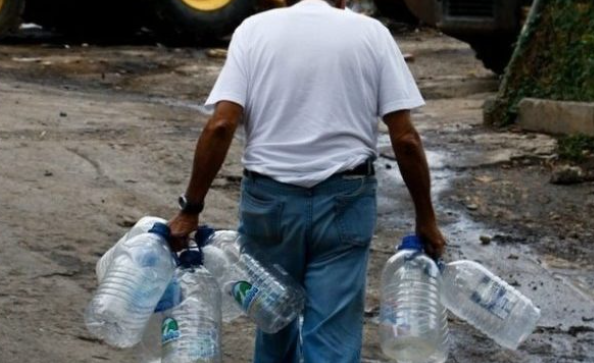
pixel 573 148
pixel 554 58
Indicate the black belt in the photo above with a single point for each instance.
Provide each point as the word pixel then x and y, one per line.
pixel 365 169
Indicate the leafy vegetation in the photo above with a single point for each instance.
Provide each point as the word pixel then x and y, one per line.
pixel 554 58
pixel 575 148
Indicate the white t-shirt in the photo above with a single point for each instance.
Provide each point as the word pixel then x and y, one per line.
pixel 313 80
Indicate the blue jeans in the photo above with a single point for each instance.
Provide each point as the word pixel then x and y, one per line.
pixel 321 236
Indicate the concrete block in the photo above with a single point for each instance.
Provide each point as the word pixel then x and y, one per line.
pixel 556 117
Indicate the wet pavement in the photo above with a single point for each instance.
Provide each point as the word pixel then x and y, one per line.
pixel 563 290
pixel 116 124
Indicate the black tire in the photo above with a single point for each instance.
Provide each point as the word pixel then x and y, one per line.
pixel 494 52
pixel 83 20
pixel 395 10
pixel 10 16
pixel 176 23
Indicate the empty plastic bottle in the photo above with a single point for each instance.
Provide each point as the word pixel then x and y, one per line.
pixel 141 270
pixel 413 322
pixel 142 226
pixel 171 296
pixel 149 349
pixel 222 265
pixel 476 295
pixel 269 296
pixel 191 331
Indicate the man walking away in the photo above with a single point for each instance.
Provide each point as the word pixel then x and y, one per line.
pixel 308 84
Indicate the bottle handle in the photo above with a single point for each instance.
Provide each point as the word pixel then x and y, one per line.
pixel 413 256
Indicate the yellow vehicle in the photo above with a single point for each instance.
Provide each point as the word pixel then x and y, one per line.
pixel 195 21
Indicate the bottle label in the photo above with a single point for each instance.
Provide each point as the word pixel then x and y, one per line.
pixel 494 298
pixel 245 294
pixel 169 331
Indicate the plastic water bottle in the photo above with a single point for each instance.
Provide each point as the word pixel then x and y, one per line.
pixel 413 322
pixel 141 270
pixel 269 296
pixel 490 304
pixel 224 266
pixel 171 297
pixel 142 226
pixel 192 330
pixel 149 349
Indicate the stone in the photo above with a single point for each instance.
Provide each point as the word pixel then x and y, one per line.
pixel 457 87
pixel 472 206
pixel 556 117
pixel 485 240
pixel 217 53
pixel 489 116
pixel 567 174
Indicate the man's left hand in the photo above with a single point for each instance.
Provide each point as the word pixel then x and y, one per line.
pixel 432 238
pixel 182 225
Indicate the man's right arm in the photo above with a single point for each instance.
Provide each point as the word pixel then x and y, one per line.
pixel 413 166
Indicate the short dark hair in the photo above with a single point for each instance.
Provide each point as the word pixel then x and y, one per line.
pixel 293 2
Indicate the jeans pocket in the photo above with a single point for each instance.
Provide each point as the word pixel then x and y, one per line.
pixel 356 215
pixel 260 218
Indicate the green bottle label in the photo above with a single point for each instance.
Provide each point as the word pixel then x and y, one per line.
pixel 244 293
pixel 169 331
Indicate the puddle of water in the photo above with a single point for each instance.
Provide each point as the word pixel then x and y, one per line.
pixel 581 280
pixel 563 300
pixel 563 291
pixel 395 208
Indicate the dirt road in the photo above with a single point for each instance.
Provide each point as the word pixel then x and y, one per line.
pixel 92 138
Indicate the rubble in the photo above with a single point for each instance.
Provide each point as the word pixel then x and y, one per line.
pixel 567 174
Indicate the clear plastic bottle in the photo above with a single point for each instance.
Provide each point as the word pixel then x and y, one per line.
pixel 142 226
pixel 490 304
pixel 222 265
pixel 141 270
pixel 192 330
pixel 149 349
pixel 171 296
pixel 269 296
pixel 413 322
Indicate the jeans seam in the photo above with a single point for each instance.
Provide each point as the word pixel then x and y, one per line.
pixel 309 221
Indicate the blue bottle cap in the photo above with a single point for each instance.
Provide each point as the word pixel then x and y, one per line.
pixel 203 233
pixel 162 230
pixel 411 243
pixel 191 258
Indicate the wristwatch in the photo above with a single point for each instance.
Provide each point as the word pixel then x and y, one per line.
pixel 189 207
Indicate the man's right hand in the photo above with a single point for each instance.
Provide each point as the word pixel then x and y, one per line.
pixel 182 225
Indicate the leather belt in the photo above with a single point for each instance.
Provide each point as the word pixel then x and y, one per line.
pixel 365 169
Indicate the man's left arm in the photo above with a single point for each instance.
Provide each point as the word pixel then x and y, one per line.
pixel 211 151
